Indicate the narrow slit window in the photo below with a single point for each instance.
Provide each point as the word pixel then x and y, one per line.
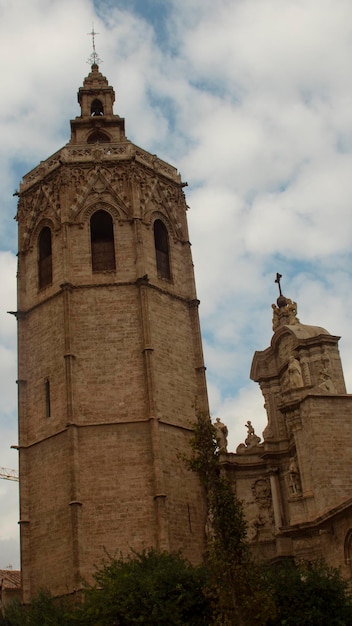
pixel 102 242
pixel 47 397
pixel 161 240
pixel 45 267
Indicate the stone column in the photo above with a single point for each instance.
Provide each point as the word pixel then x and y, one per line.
pixel 275 494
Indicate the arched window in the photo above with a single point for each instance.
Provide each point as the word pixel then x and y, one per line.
pixel 102 242
pixel 161 241
pixel 45 267
pixel 98 137
pixel 97 108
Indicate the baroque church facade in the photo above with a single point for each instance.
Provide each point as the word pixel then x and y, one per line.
pixel 111 376
pixel 295 485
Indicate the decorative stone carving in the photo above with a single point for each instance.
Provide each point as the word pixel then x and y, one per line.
pixel 221 433
pixel 100 183
pixel 251 440
pixel 165 197
pixel 268 432
pixel 285 314
pixel 263 521
pixel 276 320
pixel 293 479
pixel 100 206
pixel 262 493
pixel 292 312
pixel 326 384
pixel 285 347
pixel 305 371
pixel 252 530
pixel 41 203
pixel 293 378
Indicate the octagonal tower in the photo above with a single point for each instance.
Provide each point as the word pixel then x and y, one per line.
pixel 110 365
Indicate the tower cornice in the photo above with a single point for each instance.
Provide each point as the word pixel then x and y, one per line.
pixel 93 153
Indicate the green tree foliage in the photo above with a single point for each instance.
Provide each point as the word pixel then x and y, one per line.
pixel 162 589
pixel 241 596
pixel 44 611
pixel 152 588
pixel 312 594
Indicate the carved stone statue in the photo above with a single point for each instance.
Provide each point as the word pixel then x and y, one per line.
pixel 293 479
pixel 326 384
pixel 285 313
pixel 276 321
pixel 250 428
pixel 221 433
pixel 292 312
pixel 252 439
pixel 294 374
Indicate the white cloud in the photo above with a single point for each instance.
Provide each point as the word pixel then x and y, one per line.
pixel 252 101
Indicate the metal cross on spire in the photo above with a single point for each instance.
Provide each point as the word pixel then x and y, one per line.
pixel 277 280
pixel 94 58
pixel 281 301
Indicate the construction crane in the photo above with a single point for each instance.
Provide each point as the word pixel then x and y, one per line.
pixel 9 474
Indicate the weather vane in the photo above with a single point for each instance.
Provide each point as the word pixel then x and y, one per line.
pixel 94 58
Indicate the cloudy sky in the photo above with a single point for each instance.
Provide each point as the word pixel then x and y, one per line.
pixel 252 101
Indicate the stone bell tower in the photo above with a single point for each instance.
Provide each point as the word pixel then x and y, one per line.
pixel 110 366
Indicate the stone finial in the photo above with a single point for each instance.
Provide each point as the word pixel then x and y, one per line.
pixel 285 313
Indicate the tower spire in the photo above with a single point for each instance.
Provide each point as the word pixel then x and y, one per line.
pixel 94 57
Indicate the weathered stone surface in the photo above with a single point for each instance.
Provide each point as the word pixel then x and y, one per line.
pixel 111 372
pixel 296 485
